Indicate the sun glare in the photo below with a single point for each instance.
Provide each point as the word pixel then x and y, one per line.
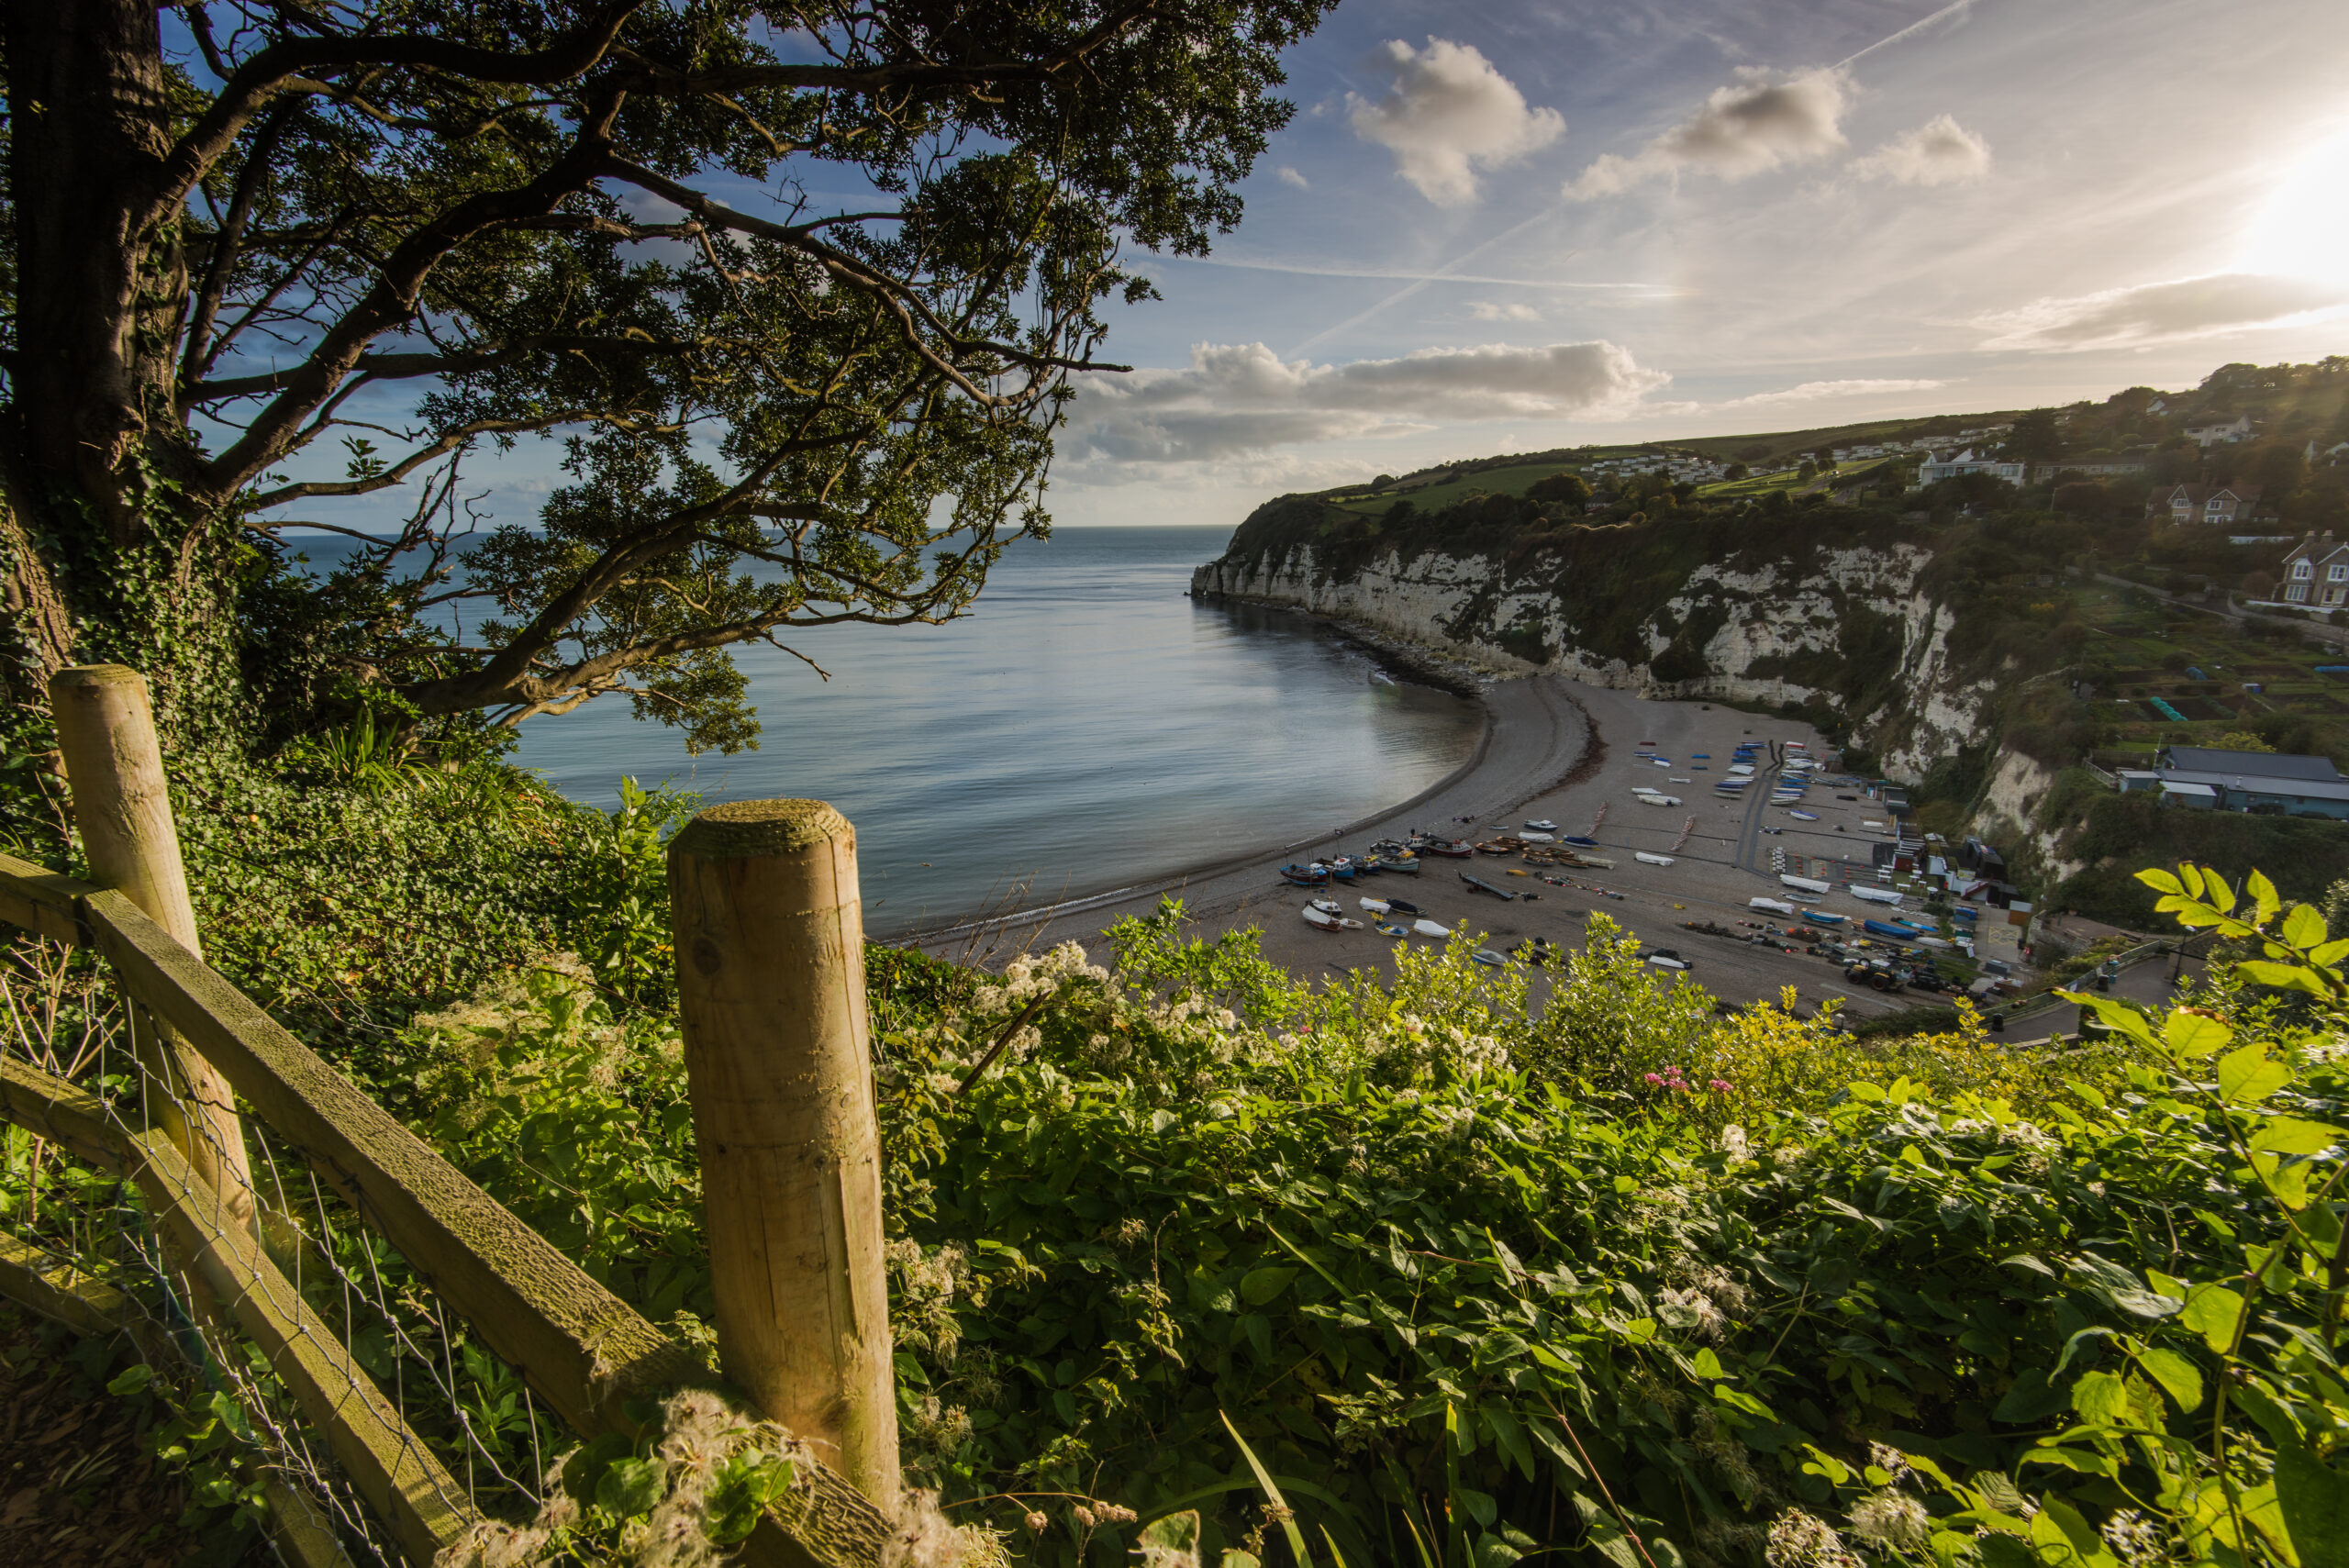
pixel 2303 230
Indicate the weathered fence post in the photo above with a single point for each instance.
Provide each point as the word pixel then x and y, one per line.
pixel 107 731
pixel 770 941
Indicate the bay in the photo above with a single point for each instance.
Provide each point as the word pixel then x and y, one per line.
pixel 1086 726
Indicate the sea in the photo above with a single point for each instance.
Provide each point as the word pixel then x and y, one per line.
pixel 1086 726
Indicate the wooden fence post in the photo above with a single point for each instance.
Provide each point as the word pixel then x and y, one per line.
pixel 770 941
pixel 107 731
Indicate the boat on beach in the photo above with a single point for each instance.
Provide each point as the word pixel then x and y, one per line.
pixel 1648 797
pixel 1804 816
pixel 1823 917
pixel 1320 919
pixel 1542 826
pixel 1806 884
pixel 1878 896
pixel 1389 929
pixel 1430 929
pixel 1404 864
pixel 1772 907
pixel 1312 875
pixel 1647 857
pixel 1583 839
pixel 1388 906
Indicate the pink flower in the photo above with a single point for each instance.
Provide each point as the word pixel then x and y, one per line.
pixel 1653 1079
pixel 1721 1085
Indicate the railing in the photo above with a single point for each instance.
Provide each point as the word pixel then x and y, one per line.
pixel 230 1257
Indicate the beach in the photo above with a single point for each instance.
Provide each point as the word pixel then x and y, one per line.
pixel 1552 749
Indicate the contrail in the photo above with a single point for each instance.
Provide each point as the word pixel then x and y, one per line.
pixel 1913 28
pixel 1440 274
pixel 1313 270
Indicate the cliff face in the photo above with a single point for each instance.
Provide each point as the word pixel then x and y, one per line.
pixel 1852 627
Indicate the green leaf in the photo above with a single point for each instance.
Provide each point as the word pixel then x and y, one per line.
pixel 2101 1397
pixel 1271 1494
pixel 1708 1364
pixel 2063 1536
pixel 2213 1311
pixel 2263 892
pixel 2290 1135
pixel 2217 893
pixel 130 1380
pixel 2247 1075
pixel 1261 1286
pixel 2180 1377
pixel 2190 876
pixel 2304 927
pixel 632 1486
pixel 2193 1036
pixel 2163 881
pixel 2314 1498
pixel 2031 1400
pixel 2283 976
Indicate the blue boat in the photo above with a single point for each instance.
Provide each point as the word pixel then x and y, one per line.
pixel 1886 928
pixel 1823 917
pixel 1312 875
pixel 1583 839
pixel 1707 755
pixel 1804 816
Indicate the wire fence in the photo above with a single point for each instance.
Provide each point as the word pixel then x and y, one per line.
pixel 469 1434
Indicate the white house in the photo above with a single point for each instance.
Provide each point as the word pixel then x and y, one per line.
pixel 1969 461
pixel 2230 431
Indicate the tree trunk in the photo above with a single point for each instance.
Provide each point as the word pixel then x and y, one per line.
pixel 106 554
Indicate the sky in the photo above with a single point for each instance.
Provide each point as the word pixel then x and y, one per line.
pixel 1518 227
pixel 1511 227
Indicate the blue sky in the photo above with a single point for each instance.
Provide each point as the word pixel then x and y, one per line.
pixel 1520 227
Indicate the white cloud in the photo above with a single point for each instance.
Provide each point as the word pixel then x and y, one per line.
pixel 1236 399
pixel 1289 177
pixel 1494 310
pixel 1812 391
pixel 2176 311
pixel 1939 152
pixel 1757 123
pixel 1448 115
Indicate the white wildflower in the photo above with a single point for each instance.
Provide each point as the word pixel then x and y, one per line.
pixel 1733 1143
pixel 1891 1518
pixel 2135 1540
pixel 1889 1460
pixel 1798 1539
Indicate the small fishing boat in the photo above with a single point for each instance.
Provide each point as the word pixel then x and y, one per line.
pixel 1649 858
pixel 1661 762
pixel 1538 837
pixel 1502 893
pixel 1322 920
pixel 1679 781
pixel 1488 957
pixel 1389 929
pixel 1388 906
pixel 1942 942
pixel 1507 844
pixel 1344 868
pixel 1328 907
pixel 1312 875
pixel 1404 864
pixel 1577 839
pixel 1543 825
pixel 1804 816
pixel 1806 884
pixel 1452 849
pixel 1649 797
pixel 1702 756
pixel 1430 929
pixel 1771 905
pixel 1898 933
pixel 1878 896
pixel 1823 917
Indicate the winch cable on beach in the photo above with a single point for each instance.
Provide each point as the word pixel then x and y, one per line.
pixel 1685 829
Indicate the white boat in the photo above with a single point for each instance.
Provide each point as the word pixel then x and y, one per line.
pixel 1653 860
pixel 1649 797
pixel 1322 920
pixel 1661 962
pixel 1532 838
pixel 1935 942
pixel 1807 884
pixel 1329 906
pixel 1430 929
pixel 1661 762
pixel 1741 770
pixel 1773 905
pixel 1878 896
pixel 1679 781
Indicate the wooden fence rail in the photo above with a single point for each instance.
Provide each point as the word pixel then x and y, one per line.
pixel 579 1347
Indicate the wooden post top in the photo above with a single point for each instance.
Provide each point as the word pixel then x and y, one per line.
pixel 748 830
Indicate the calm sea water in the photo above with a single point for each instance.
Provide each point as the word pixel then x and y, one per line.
pixel 1086 726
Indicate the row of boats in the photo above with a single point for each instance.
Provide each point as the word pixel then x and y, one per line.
pixel 1399 917
pixel 1539 841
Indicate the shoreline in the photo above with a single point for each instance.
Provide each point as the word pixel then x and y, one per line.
pixel 1536 737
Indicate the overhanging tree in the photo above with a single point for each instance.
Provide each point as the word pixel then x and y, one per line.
pixel 800 286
